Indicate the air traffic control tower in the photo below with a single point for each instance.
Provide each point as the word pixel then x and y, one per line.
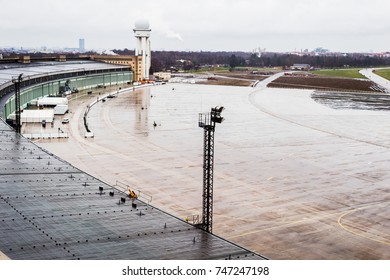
pixel 142 34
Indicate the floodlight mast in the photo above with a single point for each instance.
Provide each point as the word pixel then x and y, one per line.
pixel 17 81
pixel 207 121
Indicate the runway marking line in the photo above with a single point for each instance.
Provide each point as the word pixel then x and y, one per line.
pixel 324 215
pixel 348 229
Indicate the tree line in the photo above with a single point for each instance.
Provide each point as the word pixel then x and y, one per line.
pixel 319 61
pixel 171 60
pixel 180 60
pixel 166 60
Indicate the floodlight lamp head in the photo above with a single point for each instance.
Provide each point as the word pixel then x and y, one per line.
pixel 17 79
pixel 217 119
pixel 218 109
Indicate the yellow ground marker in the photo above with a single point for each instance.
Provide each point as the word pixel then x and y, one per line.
pixel 346 228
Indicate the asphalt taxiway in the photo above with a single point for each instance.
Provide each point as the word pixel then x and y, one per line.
pixel 294 179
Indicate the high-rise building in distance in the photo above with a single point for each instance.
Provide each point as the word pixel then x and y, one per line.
pixel 81 45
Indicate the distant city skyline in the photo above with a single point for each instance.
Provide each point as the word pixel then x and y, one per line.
pixel 219 25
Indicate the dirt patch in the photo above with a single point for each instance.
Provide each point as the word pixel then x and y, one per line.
pixel 325 83
pixel 234 79
pixel 247 76
pixel 227 82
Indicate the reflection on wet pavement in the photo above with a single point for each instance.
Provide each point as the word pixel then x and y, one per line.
pixel 353 100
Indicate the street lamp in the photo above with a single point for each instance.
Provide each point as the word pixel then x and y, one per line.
pixel 207 121
pixel 17 82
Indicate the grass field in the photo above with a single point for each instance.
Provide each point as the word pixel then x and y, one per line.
pixel 227 69
pixel 211 69
pixel 340 73
pixel 385 73
pixel 259 69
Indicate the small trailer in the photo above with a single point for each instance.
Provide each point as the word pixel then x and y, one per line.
pixel 60 109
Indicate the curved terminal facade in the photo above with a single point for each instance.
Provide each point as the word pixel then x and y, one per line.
pixel 45 79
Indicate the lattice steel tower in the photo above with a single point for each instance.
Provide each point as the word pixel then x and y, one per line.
pixel 207 121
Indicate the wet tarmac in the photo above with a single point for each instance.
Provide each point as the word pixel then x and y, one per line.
pixel 294 179
pixel 353 100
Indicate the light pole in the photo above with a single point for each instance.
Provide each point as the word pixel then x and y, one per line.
pixel 17 82
pixel 207 121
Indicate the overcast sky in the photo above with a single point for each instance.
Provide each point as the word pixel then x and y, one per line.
pixel 209 25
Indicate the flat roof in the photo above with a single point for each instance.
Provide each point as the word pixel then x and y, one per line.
pixel 8 71
pixel 52 210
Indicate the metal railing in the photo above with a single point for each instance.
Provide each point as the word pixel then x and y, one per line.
pixel 141 195
pixel 54 135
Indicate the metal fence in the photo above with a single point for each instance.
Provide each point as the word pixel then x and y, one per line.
pixel 56 135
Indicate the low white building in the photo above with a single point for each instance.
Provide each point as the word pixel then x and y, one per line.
pixel 61 109
pixel 303 67
pixel 52 101
pixel 35 116
pixel 163 76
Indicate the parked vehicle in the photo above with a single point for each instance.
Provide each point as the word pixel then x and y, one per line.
pixel 89 134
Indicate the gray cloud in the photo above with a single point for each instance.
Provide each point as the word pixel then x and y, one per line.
pixel 344 25
pixel 173 35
